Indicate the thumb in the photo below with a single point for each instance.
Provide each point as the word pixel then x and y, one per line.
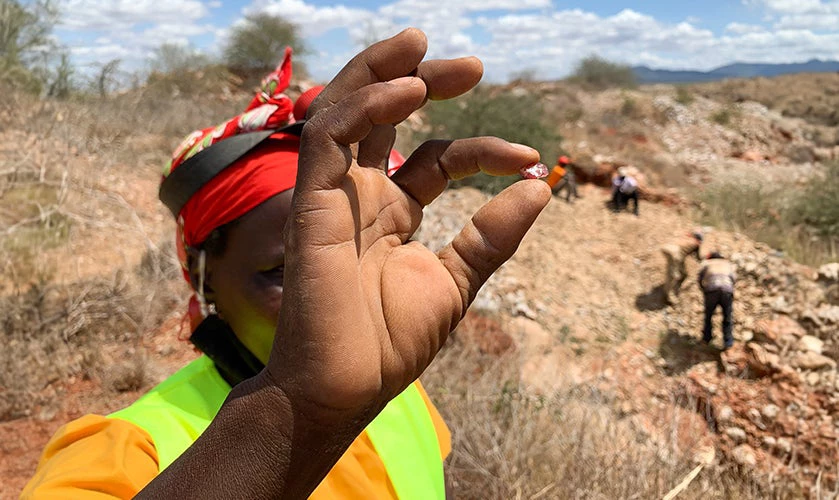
pixel 492 236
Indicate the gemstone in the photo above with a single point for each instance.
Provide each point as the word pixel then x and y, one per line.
pixel 535 171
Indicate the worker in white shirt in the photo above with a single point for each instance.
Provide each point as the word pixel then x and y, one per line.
pixel 624 188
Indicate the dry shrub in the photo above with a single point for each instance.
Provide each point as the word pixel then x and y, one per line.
pixel 52 332
pixel 160 263
pixel 128 376
pixel 598 73
pixel 803 223
pixel 812 97
pixel 684 95
pixel 139 128
pixel 507 443
pixel 515 115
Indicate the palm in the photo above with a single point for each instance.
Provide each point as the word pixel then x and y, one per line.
pixel 365 310
pixel 390 305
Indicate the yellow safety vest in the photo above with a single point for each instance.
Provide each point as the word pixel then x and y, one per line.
pixel 179 409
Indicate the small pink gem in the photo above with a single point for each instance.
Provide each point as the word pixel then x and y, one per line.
pixel 535 171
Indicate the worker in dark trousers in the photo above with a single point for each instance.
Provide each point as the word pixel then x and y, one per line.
pixel 568 181
pixel 624 189
pixel 716 278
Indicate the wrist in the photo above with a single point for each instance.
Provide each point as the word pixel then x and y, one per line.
pixel 296 449
pixel 309 414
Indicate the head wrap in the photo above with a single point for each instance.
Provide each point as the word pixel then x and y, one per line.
pixel 265 171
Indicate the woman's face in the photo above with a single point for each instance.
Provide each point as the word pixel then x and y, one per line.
pixel 246 281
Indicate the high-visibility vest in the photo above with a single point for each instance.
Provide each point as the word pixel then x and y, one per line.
pixel 555 176
pixel 179 409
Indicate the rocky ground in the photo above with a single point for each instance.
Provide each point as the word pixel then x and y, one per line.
pixel 580 302
pixel 582 297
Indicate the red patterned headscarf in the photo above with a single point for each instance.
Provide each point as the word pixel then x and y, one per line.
pixel 266 171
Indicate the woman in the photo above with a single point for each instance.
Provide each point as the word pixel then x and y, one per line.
pixel 362 309
pixel 230 244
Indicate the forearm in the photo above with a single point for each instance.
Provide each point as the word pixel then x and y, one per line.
pixel 258 446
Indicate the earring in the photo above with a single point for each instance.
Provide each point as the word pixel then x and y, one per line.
pixel 202 267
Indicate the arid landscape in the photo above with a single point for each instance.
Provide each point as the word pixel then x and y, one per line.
pixel 570 377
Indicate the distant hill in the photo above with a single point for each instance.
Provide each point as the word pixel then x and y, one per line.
pixel 736 70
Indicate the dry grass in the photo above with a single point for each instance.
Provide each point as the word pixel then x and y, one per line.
pixel 52 332
pixel 813 97
pixel 774 215
pixel 508 443
pixel 55 326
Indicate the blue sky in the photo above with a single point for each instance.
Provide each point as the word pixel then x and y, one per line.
pixel 547 37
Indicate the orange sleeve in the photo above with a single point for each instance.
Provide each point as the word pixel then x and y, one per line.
pixel 444 436
pixel 360 473
pixel 94 458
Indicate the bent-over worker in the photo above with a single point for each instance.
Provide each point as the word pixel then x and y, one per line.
pixel 716 278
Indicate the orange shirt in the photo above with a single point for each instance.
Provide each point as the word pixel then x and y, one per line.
pixel 557 173
pixel 95 457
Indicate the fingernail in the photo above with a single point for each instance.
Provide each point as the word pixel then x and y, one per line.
pixel 405 81
pixel 522 147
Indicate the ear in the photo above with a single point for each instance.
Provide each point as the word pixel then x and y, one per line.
pixel 193 261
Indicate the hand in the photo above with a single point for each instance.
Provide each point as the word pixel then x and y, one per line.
pixel 365 309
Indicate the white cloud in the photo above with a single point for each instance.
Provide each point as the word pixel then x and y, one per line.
pixel 789 6
pixel 637 38
pixel 129 30
pixel 801 14
pixel 313 20
pixel 410 8
pixel 823 21
pixel 121 14
pixel 742 29
pixel 529 34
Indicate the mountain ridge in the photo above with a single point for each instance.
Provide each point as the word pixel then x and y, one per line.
pixel 645 74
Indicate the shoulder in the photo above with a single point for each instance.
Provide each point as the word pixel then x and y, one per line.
pixel 91 456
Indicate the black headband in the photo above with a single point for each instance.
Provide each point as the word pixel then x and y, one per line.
pixel 190 176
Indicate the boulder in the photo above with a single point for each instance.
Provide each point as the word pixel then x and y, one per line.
pixel 828 274
pixel 737 434
pixel 744 455
pixel 770 411
pixel 808 343
pixel 784 445
pixel 725 414
pixel 812 361
pixel 828 314
pixel 777 331
pixel 761 361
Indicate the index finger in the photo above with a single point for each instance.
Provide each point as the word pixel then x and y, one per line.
pixel 401 56
pixel 392 58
